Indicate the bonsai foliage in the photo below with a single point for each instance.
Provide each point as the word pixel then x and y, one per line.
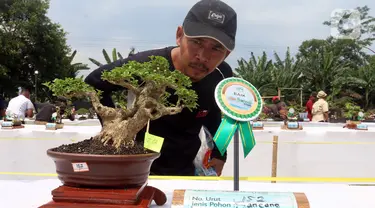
pixel 351 111
pixel 149 82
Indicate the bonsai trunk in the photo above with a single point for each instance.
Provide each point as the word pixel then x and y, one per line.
pixel 123 131
pixel 120 125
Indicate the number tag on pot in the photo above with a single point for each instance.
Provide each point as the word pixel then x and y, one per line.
pixel 80 167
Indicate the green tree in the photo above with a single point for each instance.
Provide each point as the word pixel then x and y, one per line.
pixel 29 42
pixel 287 73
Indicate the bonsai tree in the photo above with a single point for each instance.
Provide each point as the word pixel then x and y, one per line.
pixel 56 117
pixel 351 111
pixel 149 82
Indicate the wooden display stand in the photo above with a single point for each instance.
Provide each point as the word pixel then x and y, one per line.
pixel 257 126
pixel 9 125
pixel 73 197
pixel 40 122
pixel 13 127
pixel 354 125
pixel 59 125
pixel 54 127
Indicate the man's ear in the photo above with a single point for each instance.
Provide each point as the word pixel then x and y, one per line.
pixel 227 54
pixel 179 35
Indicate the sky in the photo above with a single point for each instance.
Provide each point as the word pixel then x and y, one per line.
pixel 263 25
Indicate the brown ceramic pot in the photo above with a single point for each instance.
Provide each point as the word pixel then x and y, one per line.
pixel 86 170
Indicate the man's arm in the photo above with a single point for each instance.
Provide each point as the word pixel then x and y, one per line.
pixel 325 111
pixel 212 123
pixel 29 109
pixel 213 119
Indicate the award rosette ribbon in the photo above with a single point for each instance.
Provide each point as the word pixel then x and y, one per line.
pixel 240 102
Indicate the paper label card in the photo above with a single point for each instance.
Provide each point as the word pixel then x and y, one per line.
pixel 230 199
pixel 80 167
pixel 153 142
pixel 7 124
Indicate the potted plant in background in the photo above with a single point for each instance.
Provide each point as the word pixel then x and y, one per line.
pixel 56 120
pixel 113 158
pixel 354 115
pixel 12 121
pixel 82 112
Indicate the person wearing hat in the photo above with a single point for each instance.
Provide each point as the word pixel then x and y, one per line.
pixel 309 105
pixel 278 109
pixel 320 108
pixel 203 42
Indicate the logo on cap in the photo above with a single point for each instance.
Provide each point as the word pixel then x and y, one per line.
pixel 216 16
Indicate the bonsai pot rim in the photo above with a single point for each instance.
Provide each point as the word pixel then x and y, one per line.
pixel 95 157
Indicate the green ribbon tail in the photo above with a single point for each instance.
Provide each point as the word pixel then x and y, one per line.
pixel 224 134
pixel 247 137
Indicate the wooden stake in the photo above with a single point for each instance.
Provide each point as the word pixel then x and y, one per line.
pixel 148 125
pixel 275 145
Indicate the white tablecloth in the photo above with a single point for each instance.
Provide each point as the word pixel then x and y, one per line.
pixel 312 152
pixel 31 194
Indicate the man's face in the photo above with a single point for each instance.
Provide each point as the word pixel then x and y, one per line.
pixel 27 94
pixel 199 56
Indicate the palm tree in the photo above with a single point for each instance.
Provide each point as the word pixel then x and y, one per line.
pixel 322 69
pixel 256 71
pixel 363 80
pixel 74 67
pixel 115 56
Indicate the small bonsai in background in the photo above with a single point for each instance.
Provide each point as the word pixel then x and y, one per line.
pixel 14 118
pixel 82 112
pixel 149 82
pixel 351 111
pixel 56 116
pixel 262 117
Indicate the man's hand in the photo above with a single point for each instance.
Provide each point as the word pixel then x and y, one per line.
pixel 217 165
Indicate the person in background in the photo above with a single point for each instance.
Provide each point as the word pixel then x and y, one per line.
pixel 45 114
pixel 309 105
pixel 2 107
pixel 320 108
pixel 280 107
pixel 21 106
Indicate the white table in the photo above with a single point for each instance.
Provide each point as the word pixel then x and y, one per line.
pixel 31 194
pixel 312 152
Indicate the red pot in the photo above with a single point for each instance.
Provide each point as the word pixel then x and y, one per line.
pixel 87 170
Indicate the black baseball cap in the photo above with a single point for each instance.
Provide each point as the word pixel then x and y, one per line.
pixel 212 19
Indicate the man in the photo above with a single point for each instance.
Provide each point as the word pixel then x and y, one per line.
pixel 21 106
pixel 45 114
pixel 205 39
pixel 320 108
pixel 278 108
pixel 309 105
